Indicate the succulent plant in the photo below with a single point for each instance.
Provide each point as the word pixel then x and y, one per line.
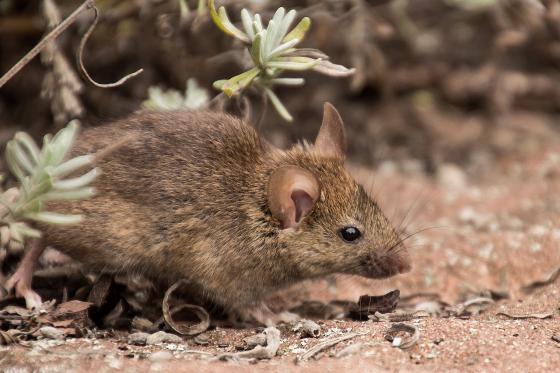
pixel 42 177
pixel 273 51
pixel 195 97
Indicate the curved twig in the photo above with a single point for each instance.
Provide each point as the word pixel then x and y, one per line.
pixel 81 61
pixel 199 312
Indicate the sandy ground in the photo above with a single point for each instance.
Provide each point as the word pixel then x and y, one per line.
pixel 498 235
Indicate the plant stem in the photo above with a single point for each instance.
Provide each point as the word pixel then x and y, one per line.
pixel 50 37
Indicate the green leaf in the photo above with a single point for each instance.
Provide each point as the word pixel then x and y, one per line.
pixel 280 108
pixel 247 20
pixel 219 84
pixel 183 9
pixel 25 230
pixel 283 48
pixel 307 52
pixel 268 39
pixel 61 195
pixel 72 165
pixel 276 34
pixel 288 81
pixel 286 23
pixel 201 9
pixel 29 144
pixel 256 50
pixel 221 20
pixel 54 218
pixel 293 63
pixel 13 164
pixel 32 206
pixel 77 182
pixel 262 47
pixel 257 24
pixel 42 183
pixel 15 232
pixel 21 157
pixel 331 69
pixel 299 31
pixel 238 82
pixel 63 141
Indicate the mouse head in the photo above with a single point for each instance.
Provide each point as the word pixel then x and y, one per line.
pixel 328 223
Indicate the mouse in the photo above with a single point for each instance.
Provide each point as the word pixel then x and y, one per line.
pixel 201 196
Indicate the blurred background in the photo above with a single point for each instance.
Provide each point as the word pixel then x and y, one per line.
pixel 454 106
pixel 438 82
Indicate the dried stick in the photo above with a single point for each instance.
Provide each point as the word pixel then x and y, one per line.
pixel 325 345
pixel 81 62
pixel 51 36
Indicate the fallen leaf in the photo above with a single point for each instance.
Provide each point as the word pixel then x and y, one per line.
pixel 16 310
pixel 368 305
pixel 62 323
pixel 73 306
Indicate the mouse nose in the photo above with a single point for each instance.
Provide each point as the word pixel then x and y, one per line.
pixel 399 260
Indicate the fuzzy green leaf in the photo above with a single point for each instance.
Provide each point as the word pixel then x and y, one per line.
pixel 61 195
pixel 238 82
pixel 247 20
pixel 54 218
pixel 221 20
pixel 299 31
pixel 278 105
pixel 72 165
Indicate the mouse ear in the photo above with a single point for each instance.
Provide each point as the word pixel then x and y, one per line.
pixel 292 193
pixel 331 140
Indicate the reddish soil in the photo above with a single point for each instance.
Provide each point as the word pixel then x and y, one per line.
pixel 498 235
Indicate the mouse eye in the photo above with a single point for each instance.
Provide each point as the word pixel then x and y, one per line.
pixel 350 234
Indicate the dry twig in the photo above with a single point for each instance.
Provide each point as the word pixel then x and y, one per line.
pixel 540 316
pixel 39 47
pixel 81 62
pixel 53 35
pixel 325 345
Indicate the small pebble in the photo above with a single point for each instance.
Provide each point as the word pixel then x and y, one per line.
pixel 51 332
pixel 163 337
pixel 160 356
pixel 138 339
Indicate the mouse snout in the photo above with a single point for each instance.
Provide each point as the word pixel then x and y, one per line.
pixel 389 263
pixel 398 260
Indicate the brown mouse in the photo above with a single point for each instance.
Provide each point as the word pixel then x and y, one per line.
pixel 200 196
